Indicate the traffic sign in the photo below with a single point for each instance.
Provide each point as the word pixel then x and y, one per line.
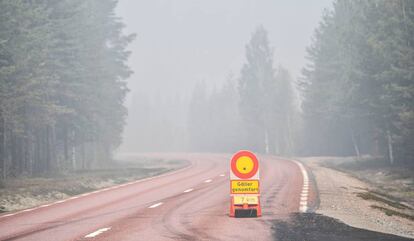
pixel 244 165
pixel 244 185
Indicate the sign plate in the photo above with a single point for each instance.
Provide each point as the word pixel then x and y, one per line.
pixel 240 200
pixel 244 165
pixel 245 186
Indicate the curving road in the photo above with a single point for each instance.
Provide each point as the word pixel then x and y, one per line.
pixel 188 204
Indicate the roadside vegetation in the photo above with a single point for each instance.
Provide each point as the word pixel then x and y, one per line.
pixel 358 88
pixel 62 88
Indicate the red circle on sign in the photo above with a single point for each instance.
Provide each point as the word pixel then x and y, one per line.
pixel 234 162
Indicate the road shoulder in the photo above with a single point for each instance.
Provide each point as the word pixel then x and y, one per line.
pixel 340 198
pixel 28 192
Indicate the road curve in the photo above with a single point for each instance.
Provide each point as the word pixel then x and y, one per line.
pixel 188 204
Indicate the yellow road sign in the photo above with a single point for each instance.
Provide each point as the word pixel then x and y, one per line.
pixel 244 164
pixel 244 186
pixel 240 200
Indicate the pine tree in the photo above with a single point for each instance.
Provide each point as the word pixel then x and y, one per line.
pixel 257 88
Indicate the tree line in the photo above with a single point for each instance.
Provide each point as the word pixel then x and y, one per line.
pixel 255 110
pixel 358 89
pixel 62 72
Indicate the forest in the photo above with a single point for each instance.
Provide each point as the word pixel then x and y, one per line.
pixel 358 88
pixel 355 96
pixel 62 85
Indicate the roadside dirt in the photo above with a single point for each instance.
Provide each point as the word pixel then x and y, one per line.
pixel 22 193
pixel 358 203
pixel 317 227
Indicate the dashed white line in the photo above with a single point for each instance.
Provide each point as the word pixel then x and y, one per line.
pixel 155 205
pixel 97 232
pixel 208 180
pixel 188 190
pixel 222 175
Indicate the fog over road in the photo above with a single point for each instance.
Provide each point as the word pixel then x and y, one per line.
pixel 188 204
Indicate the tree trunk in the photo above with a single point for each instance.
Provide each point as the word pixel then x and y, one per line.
pixel 48 152
pixel 54 164
pixel 355 144
pixel 266 141
pixel 289 145
pixel 73 150
pixel 65 145
pixel 83 153
pixel 2 148
pixel 390 147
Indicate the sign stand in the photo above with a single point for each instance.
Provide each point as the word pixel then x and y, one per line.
pixel 244 185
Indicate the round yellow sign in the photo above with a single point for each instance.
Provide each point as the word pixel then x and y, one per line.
pixel 244 164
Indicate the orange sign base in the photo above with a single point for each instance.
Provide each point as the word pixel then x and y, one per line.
pixel 245 209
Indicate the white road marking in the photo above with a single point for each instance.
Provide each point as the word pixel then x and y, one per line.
pixel 303 204
pixel 208 180
pixel 221 175
pixel 97 232
pixel 28 210
pixel 189 190
pixel 155 205
pixel 97 191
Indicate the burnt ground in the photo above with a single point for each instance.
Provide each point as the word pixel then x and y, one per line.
pixel 317 227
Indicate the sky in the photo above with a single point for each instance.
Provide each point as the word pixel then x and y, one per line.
pixel 181 42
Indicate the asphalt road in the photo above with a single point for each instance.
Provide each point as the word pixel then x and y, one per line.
pixel 188 204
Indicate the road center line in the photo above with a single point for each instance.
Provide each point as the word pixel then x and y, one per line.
pixel 189 190
pixel 208 180
pixel 97 232
pixel 155 205
pixel 221 175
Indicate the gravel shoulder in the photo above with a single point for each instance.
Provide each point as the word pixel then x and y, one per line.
pixel 344 197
